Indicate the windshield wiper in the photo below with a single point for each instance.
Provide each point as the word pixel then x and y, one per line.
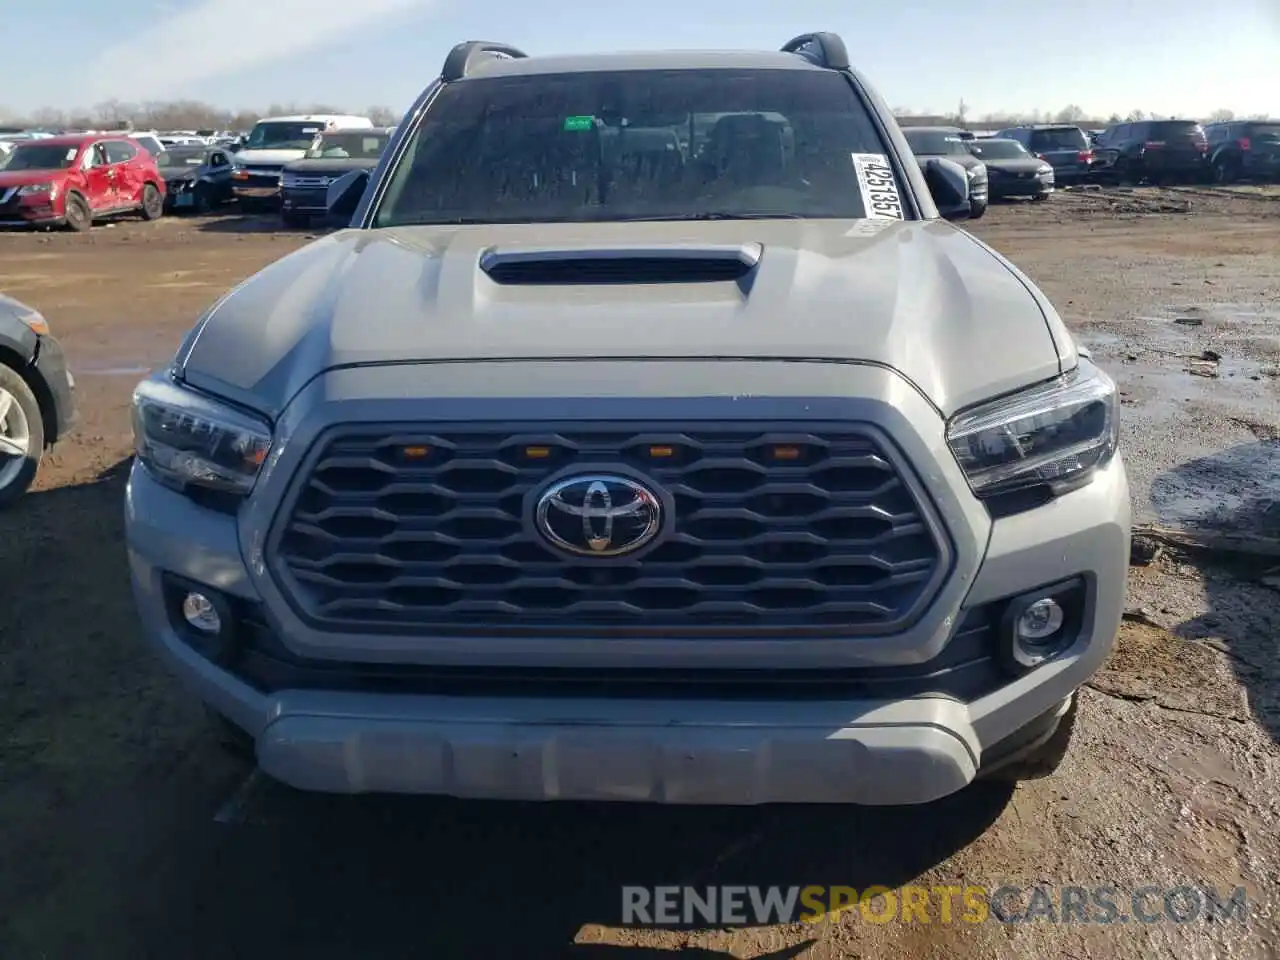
pixel 706 215
pixel 713 215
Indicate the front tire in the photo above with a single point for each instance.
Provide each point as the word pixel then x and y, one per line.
pixel 78 216
pixel 152 203
pixel 1224 172
pixel 978 209
pixel 21 436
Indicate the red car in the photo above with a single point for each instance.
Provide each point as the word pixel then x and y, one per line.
pixel 72 181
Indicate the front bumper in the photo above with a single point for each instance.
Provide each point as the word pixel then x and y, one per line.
pixel 536 743
pixel 311 202
pixel 259 187
pixel 1019 187
pixel 29 209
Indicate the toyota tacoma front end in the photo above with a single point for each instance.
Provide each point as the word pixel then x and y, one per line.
pixel 645 455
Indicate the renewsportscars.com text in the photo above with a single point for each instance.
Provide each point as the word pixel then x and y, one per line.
pixel 742 905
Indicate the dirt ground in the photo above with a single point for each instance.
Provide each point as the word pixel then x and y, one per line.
pixel 126 833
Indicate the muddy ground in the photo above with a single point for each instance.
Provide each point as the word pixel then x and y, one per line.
pixel 126 833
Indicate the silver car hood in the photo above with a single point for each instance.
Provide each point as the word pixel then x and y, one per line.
pixel 923 298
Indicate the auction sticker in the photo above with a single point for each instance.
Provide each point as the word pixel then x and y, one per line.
pixel 878 186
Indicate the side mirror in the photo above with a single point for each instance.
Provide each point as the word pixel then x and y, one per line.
pixel 343 195
pixel 949 187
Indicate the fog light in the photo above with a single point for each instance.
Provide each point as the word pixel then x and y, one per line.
pixel 200 613
pixel 1039 625
pixel 1040 621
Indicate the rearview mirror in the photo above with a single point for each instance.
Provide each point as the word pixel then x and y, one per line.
pixel 343 195
pixel 949 186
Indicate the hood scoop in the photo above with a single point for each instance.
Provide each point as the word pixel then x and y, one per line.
pixel 673 263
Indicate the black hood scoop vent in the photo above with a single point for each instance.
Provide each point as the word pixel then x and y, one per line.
pixel 677 263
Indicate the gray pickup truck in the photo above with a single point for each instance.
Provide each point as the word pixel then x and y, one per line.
pixel 648 435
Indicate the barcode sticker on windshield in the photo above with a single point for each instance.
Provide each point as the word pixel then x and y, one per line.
pixel 878 187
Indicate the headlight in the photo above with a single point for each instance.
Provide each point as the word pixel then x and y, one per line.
pixel 1055 434
pixel 32 189
pixel 1045 171
pixel 184 438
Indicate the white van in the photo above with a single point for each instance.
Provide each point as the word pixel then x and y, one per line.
pixel 274 142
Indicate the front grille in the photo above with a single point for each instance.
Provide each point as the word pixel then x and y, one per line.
pixel 291 182
pixel 432 532
pixel 261 177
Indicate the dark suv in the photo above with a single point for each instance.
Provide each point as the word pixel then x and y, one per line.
pixel 1158 151
pixel 1063 146
pixel 1244 150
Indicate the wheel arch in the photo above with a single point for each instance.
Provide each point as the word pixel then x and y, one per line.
pixel 24 368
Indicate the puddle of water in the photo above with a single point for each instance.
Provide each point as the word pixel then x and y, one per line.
pixel 1234 490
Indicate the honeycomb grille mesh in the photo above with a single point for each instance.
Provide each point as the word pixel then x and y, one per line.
pixel 408 530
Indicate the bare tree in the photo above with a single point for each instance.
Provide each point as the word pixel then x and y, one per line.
pixel 1071 113
pixel 382 116
pixel 1135 115
pixel 1222 115
pixel 111 113
pixel 48 117
pixel 1114 118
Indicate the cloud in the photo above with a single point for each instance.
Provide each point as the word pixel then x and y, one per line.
pixel 219 37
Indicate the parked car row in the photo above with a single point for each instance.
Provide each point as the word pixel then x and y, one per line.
pixel 952 143
pixel 1157 151
pixel 273 143
pixel 287 165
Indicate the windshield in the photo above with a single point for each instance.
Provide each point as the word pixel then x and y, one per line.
pixel 348 146
pixel 935 143
pixel 282 135
pixel 663 145
pixel 998 149
pixel 181 157
pixel 42 156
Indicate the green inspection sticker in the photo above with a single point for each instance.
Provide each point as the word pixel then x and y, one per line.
pixel 579 123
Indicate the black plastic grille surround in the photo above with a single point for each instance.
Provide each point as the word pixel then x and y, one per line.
pixel 405 529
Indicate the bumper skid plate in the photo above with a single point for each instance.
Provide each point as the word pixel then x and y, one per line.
pixel 871 753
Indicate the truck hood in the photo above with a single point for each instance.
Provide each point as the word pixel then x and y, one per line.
pixel 249 158
pixel 330 166
pixel 923 298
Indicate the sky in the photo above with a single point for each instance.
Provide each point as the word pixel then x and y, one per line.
pixel 1162 56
